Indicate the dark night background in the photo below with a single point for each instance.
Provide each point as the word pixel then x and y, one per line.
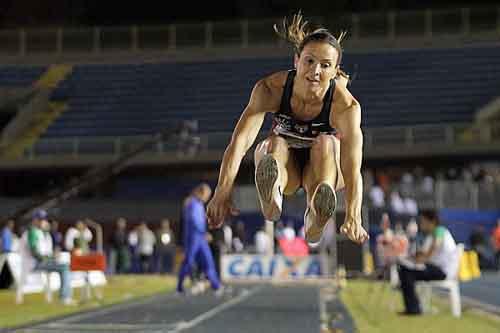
pixel 16 13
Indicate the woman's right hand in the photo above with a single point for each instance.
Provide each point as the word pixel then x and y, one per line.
pixel 219 209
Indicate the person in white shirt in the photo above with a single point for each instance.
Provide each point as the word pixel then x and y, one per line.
pixel 81 233
pixel 228 238
pixel 146 241
pixel 437 261
pixel 397 204
pixel 410 206
pixel 37 254
pixel 262 242
pixel 377 196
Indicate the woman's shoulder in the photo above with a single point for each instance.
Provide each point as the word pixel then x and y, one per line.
pixel 275 81
pixel 268 91
pixel 343 98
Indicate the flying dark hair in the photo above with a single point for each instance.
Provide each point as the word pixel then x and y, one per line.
pixel 297 33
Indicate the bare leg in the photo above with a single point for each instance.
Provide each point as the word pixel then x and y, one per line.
pixel 276 173
pixel 321 178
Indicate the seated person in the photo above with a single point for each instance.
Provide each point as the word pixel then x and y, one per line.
pixel 40 255
pixel 436 261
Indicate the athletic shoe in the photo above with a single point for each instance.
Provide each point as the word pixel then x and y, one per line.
pixel 320 212
pixel 267 179
pixel 220 292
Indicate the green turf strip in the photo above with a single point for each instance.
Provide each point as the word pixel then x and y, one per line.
pixel 374 307
pixel 119 289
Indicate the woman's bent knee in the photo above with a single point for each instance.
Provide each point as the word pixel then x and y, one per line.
pixel 323 144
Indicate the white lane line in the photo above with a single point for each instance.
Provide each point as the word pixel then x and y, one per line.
pixel 224 306
pixel 110 327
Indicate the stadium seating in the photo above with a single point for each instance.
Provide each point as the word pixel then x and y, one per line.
pixel 19 76
pixel 395 88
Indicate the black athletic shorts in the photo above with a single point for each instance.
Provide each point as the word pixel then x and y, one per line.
pixel 302 156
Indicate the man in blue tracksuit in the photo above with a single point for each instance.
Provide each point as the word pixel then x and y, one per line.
pixel 195 243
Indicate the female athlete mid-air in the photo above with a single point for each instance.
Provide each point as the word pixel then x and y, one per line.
pixel 315 142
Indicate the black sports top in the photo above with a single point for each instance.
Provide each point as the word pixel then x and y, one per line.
pixel 298 133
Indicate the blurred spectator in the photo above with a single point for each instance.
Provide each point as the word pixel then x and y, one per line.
pixel 412 235
pixel 239 237
pixel 80 231
pixel 189 141
pixel 384 251
pixel 292 246
pixel 7 237
pixel 377 197
pixel 133 241
pixel 39 254
pixel 410 206
pixel 216 244
pixel 228 238
pixel 119 254
pixel 196 248
pixel 437 261
pixel 479 243
pixel 496 243
pixel 397 205
pixel 57 237
pixel 278 229
pixel 262 241
pixel 452 174
pixel 467 175
pixel 146 241
pixel 407 183
pixel 400 242
pixel 427 185
pixel 384 181
pixel 78 247
pixel 289 232
pixel 165 247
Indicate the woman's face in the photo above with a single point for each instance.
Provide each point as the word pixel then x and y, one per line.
pixel 316 65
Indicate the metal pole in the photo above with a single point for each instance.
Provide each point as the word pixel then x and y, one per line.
pixel 59 41
pixel 355 26
pixel 22 42
pixel 244 33
pixel 465 21
pixel 428 23
pixel 97 40
pixel 209 35
pixel 134 34
pixel 172 37
pixel 391 22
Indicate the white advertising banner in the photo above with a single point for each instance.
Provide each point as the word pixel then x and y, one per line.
pixel 278 267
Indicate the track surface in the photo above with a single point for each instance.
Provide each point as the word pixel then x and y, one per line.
pixel 256 308
pixel 485 290
pixel 249 308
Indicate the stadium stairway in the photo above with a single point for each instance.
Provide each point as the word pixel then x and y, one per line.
pixel 34 118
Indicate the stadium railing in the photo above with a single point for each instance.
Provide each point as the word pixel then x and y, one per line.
pixel 432 138
pixel 482 23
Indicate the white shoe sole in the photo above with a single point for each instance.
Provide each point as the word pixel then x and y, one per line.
pixel 324 202
pixel 268 188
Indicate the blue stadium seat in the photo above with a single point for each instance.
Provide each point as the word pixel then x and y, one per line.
pixel 19 76
pixel 395 88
